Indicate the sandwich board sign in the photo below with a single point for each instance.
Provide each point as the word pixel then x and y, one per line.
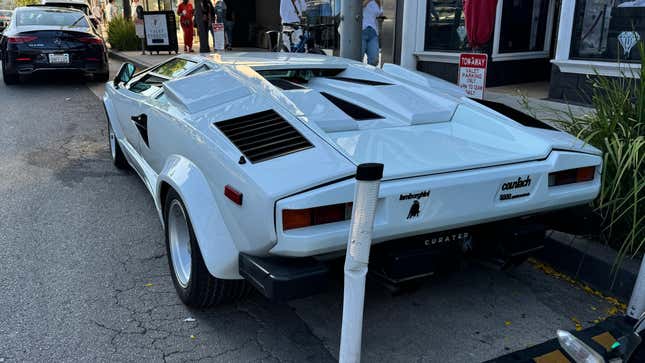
pixel 472 74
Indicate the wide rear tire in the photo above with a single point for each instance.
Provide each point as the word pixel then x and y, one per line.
pixel 8 77
pixel 195 286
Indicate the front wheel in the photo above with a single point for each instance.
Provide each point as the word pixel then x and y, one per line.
pixel 195 286
pixel 118 159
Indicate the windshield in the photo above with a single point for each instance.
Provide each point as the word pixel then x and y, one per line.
pixel 5 14
pixel 51 18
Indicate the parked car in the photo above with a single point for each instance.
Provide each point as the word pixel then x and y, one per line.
pixel 5 17
pixel 251 157
pixel 45 39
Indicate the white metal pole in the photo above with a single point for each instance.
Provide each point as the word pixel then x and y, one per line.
pixel 368 179
pixel 351 24
pixel 637 302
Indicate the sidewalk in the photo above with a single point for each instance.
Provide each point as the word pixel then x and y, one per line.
pixel 531 98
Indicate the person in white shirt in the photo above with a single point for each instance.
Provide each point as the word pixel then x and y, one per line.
pixel 371 11
pixel 111 11
pixel 290 12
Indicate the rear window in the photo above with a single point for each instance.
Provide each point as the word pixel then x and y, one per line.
pixel 82 7
pixel 5 13
pixel 51 18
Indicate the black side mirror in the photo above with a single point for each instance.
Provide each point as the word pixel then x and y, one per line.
pixel 125 74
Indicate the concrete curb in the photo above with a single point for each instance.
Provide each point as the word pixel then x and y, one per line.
pixel 590 262
pixel 124 58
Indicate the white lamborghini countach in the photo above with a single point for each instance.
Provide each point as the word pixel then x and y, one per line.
pixel 251 158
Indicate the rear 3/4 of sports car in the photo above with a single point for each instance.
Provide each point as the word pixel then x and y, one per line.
pixel 251 160
pixel 50 39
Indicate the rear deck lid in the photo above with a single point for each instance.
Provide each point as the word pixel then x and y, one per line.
pixel 472 139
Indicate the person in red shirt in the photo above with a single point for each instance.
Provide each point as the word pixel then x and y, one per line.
pixel 186 12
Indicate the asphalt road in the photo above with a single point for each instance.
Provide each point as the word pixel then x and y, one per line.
pixel 84 276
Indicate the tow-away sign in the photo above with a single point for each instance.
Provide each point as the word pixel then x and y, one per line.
pixel 472 74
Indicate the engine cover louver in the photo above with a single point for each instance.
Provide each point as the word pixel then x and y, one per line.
pixel 263 135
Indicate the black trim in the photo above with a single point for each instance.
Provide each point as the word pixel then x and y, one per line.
pixel 283 278
pixel 515 115
pixel 361 81
pixel 285 85
pixel 369 172
pixel 264 135
pixel 354 111
pixel 141 122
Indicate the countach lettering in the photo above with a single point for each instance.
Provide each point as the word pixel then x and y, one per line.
pixel 519 183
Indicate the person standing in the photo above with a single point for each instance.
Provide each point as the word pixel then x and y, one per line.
pixel 219 11
pixel 186 12
pixel 291 11
pixel 372 9
pixel 111 11
pixel 204 23
pixel 229 24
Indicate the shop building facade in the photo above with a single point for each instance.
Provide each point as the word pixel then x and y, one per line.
pixel 560 41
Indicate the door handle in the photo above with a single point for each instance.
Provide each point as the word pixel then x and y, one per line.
pixel 140 118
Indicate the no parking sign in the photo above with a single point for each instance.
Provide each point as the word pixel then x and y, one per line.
pixel 472 74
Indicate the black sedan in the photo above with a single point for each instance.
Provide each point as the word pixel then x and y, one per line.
pixel 41 39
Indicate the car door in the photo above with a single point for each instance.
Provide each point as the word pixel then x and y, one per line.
pixel 132 111
pixel 159 125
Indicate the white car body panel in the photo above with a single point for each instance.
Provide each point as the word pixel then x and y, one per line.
pixel 429 138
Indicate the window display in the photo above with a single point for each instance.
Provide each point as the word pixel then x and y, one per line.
pixel 445 29
pixel 608 30
pixel 523 27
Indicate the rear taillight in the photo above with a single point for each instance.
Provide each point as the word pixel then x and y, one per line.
pixel 571 176
pixel 21 39
pixel 299 218
pixel 91 40
pixel 23 59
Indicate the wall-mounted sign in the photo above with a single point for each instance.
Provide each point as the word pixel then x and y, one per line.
pixel 628 40
pixel 472 74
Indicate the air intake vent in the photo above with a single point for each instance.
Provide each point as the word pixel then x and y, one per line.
pixel 367 82
pixel 354 111
pixel 262 136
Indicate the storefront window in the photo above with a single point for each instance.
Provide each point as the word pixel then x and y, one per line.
pixel 608 30
pixel 524 24
pixel 445 28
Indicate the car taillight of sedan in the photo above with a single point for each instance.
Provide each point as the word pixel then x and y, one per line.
pixel 91 40
pixel 20 39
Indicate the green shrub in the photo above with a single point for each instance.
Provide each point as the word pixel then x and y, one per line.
pixel 122 35
pixel 618 129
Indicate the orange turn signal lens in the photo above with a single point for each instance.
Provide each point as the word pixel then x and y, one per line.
pixel 299 218
pixel 571 176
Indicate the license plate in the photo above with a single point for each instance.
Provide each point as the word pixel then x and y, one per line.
pixel 59 58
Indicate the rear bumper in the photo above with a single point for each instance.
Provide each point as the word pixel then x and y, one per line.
pixel 501 244
pixel 453 200
pixel 37 62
